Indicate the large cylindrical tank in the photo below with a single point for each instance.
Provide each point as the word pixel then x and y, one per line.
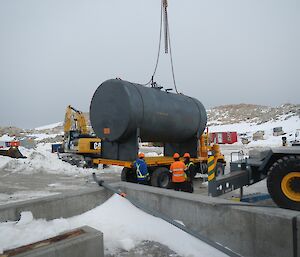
pixel 120 108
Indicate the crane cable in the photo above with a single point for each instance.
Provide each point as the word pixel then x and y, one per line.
pixel 164 217
pixel 167 39
pixel 171 58
pixel 166 27
pixel 159 46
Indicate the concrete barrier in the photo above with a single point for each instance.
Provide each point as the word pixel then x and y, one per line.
pixel 249 231
pixel 61 205
pixel 84 241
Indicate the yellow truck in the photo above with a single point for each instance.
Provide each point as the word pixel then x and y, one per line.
pixel 158 166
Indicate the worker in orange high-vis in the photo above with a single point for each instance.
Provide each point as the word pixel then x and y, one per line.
pixel 178 173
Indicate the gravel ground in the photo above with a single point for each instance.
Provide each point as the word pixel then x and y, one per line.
pixel 146 249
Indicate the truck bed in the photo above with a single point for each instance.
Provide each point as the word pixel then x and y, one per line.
pixel 151 161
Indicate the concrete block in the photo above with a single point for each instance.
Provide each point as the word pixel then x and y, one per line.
pixel 89 243
pixel 62 205
pixel 249 231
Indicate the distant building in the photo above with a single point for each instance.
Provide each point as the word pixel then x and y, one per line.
pixel 223 137
pixel 277 131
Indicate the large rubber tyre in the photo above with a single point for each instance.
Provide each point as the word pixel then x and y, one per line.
pixel 220 169
pixel 283 182
pixel 128 175
pixel 194 172
pixel 161 177
pixel 123 174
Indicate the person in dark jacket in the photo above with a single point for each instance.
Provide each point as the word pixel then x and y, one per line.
pixel 141 169
pixel 190 172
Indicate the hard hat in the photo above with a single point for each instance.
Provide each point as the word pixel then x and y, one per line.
pixel 176 155
pixel 186 155
pixel 141 155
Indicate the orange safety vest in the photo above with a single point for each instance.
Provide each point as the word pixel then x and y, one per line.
pixel 178 174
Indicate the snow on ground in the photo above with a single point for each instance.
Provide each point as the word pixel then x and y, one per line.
pixel 289 126
pixel 37 136
pixel 151 151
pixel 6 138
pixel 41 159
pixel 118 232
pixel 4 161
pixel 50 126
pixel 24 195
pixel 151 154
pixel 42 136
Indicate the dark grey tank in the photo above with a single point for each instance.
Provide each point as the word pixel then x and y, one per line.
pixel 119 109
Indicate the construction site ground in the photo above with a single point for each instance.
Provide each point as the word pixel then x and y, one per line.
pixel 17 187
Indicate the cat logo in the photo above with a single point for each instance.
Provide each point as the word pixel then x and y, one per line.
pixel 95 145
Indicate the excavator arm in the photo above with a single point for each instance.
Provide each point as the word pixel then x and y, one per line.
pixel 68 119
pixel 81 123
pixel 75 120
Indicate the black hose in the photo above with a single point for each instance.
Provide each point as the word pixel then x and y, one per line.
pixel 167 219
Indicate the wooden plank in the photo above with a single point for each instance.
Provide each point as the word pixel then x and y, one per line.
pixel 42 243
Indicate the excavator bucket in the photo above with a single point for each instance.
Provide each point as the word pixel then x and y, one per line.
pixel 12 152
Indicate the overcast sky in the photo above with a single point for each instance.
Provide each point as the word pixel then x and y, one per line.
pixel 57 52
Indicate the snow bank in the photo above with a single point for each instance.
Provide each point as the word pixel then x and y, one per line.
pixel 42 136
pixel 112 218
pixel 41 159
pixel 289 126
pixel 151 154
pixel 4 160
pixel 7 138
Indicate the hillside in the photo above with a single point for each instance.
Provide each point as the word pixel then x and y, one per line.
pixel 250 113
pixel 242 118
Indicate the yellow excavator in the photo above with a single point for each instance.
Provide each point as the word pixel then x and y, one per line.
pixel 79 146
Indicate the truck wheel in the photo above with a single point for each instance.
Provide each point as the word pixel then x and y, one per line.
pixel 128 175
pixel 284 182
pixel 161 177
pixel 195 171
pixel 220 169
